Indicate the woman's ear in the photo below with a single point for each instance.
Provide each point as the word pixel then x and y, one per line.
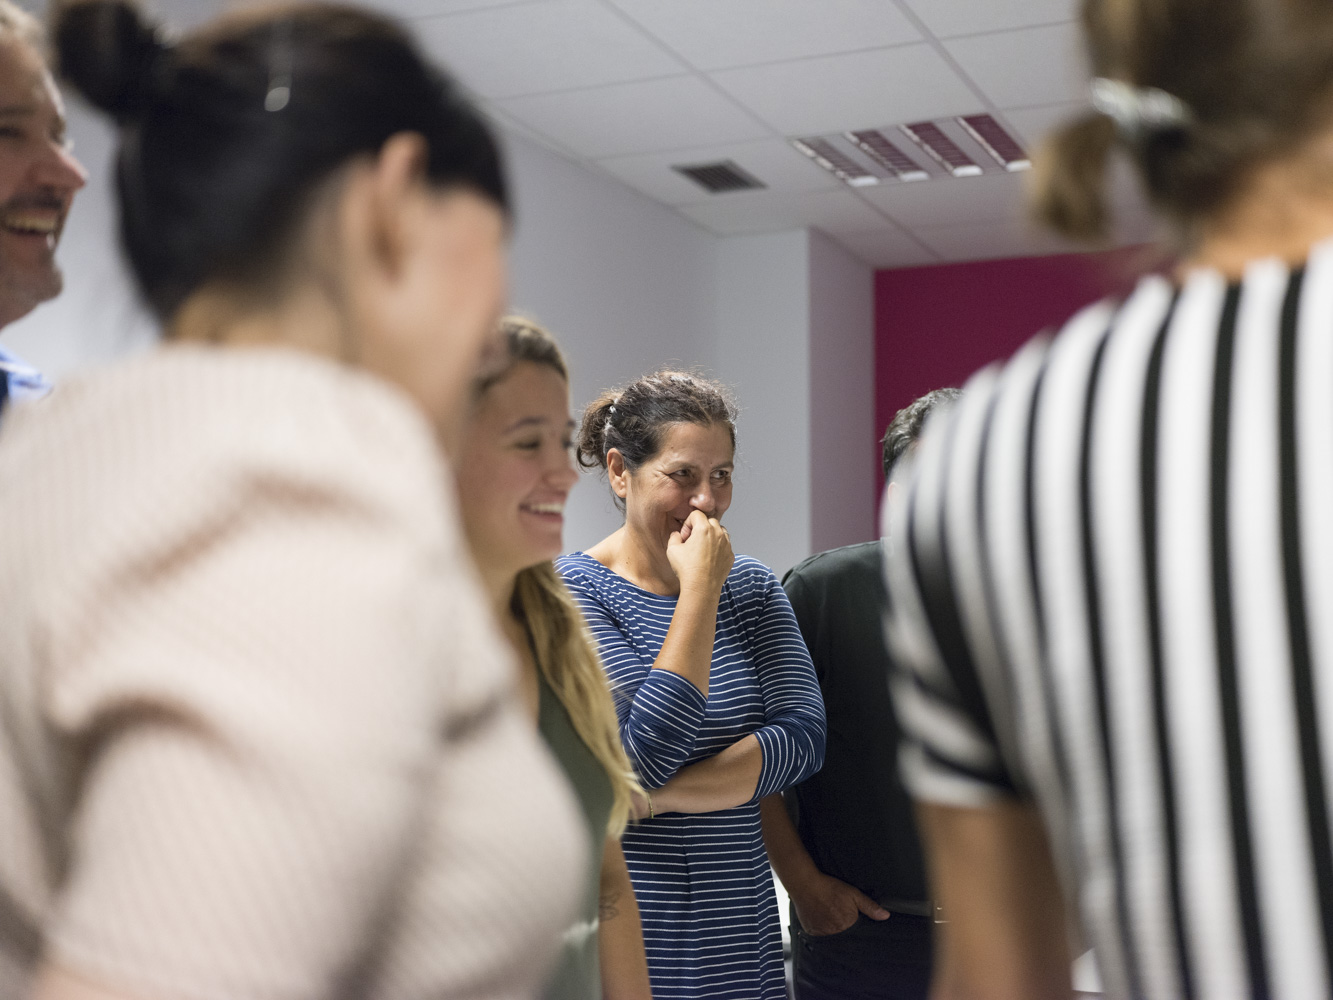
pixel 376 208
pixel 397 179
pixel 617 473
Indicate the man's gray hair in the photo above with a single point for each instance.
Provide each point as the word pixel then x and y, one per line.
pixel 905 427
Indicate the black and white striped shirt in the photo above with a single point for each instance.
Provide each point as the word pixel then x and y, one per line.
pixel 1111 592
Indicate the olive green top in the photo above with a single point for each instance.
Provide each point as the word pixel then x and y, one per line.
pixel 578 973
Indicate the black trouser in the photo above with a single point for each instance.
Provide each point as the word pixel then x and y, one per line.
pixel 871 960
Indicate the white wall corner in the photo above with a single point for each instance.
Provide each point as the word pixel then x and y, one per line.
pixel 844 448
pixel 626 285
pixel 763 350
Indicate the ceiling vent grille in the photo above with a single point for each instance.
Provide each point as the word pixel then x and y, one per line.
pixel 716 178
pixel 966 146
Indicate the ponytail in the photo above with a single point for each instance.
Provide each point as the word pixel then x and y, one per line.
pixel 592 446
pixel 1067 189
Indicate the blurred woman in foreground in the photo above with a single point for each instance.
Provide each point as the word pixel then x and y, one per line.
pixel 1112 567
pixel 260 733
pixel 514 476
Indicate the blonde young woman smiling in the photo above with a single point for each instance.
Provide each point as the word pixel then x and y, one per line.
pixel 514 475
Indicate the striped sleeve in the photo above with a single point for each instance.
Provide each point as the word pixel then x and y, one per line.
pixel 659 713
pixel 793 738
pixel 939 621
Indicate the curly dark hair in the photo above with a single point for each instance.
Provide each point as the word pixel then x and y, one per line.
pixel 631 419
pixel 905 427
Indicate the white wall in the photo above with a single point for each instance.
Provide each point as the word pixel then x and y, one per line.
pixel 763 337
pixel 98 317
pixel 627 286
pixel 844 442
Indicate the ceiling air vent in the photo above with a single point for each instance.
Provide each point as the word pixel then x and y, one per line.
pixel 944 150
pixel 991 136
pixel 715 178
pixel 835 161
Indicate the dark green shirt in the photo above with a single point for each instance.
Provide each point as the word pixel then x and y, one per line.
pixel 854 816
pixel 578 975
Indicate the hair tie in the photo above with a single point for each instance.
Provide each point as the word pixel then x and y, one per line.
pixel 1137 111
pixel 279 91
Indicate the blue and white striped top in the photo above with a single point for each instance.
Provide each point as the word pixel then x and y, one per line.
pixel 705 892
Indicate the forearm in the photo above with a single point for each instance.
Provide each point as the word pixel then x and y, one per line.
pixel 786 852
pixel 992 872
pixel 688 647
pixel 620 932
pixel 723 781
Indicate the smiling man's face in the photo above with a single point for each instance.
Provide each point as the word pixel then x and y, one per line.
pixel 38 178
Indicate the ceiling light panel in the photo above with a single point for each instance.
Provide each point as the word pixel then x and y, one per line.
pixel 942 149
pixel 965 146
pixel 991 136
pixel 880 148
pixel 837 161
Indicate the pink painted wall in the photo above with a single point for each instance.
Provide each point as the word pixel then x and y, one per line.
pixel 935 326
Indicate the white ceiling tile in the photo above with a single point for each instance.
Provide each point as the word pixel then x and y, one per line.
pixel 510 126
pixel 836 212
pixel 642 117
pixel 887 248
pixel 946 18
pixel 772 161
pixel 712 34
pixel 409 9
pixel 560 45
pixel 852 91
pixel 1032 125
pixel 991 240
pixel 950 200
pixel 1024 68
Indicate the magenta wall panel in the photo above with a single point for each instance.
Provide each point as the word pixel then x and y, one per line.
pixel 935 326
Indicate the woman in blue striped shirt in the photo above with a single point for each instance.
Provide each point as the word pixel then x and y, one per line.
pixel 717 699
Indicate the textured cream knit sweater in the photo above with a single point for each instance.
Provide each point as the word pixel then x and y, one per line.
pixel 257 732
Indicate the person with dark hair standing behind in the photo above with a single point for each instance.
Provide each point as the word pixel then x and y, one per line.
pixel 1114 625
pixel 261 735
pixel 717 699
pixel 514 475
pixel 844 843
pixel 38 179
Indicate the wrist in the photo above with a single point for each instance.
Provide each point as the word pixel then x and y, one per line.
pixel 801 880
pixel 706 592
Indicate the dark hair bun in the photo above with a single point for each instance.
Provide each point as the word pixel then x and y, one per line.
pixel 109 53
